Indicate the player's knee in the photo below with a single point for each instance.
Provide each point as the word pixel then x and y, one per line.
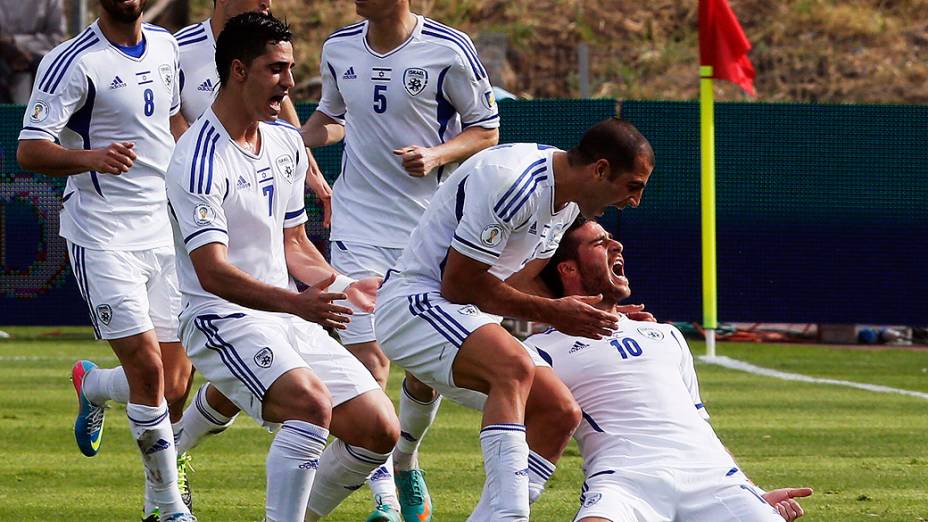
pixel 513 370
pixel 567 414
pixel 382 430
pixel 176 386
pixel 308 402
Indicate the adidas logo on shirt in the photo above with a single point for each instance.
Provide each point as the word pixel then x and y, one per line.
pixel 242 183
pixel 117 83
pixel 206 86
pixel 577 347
pixel 349 74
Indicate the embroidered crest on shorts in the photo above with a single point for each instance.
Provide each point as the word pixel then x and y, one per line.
pixel 469 310
pixel 592 499
pixel 415 79
pixel 264 358
pixel 104 313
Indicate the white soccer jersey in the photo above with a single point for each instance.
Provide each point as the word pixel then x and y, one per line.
pixel 88 94
pixel 199 79
pixel 216 188
pixel 639 396
pixel 422 93
pixel 497 208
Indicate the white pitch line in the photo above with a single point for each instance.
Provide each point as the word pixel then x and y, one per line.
pixel 735 364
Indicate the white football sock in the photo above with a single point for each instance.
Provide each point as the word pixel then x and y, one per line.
pixel 382 486
pixel 199 421
pixel 106 384
pixel 505 459
pixel 152 430
pixel 540 470
pixel 342 469
pixel 291 466
pixel 415 418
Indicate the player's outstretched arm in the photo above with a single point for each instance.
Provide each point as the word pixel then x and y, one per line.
pixel 784 501
pixel 49 158
pixel 467 281
pixel 321 130
pixel 419 161
pixel 220 277
pixel 305 263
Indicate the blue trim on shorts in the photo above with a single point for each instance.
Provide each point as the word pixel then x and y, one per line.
pixel 227 353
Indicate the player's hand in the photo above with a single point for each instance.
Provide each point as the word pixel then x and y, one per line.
pixel 363 292
pixel 783 500
pixel 418 161
pixel 636 312
pixel 115 159
pixel 316 182
pixel 573 315
pixel 316 305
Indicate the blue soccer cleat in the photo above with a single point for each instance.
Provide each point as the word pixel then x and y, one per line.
pixel 88 427
pixel 414 496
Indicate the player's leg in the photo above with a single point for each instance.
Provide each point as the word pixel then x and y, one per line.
pixel 491 361
pixel 248 358
pixel 363 420
pixel 147 411
pixel 417 410
pixel 551 417
pixel 358 261
pixel 113 283
pixel 366 428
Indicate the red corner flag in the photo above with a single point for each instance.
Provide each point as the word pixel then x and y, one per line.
pixel 723 45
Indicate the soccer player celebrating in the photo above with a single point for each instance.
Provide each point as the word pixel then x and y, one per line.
pixel 199 81
pixel 475 256
pixel 99 114
pixel 411 99
pixel 235 186
pixel 648 452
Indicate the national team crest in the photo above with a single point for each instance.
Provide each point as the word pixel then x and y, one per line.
pixel 592 499
pixel 469 310
pixel 415 79
pixel 285 166
pixel 166 72
pixel 105 314
pixel 264 358
pixel 651 333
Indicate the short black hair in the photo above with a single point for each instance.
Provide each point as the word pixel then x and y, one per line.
pixel 614 140
pixel 566 251
pixel 245 37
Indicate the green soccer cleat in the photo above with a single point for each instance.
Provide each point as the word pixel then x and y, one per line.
pixel 384 513
pixel 88 427
pixel 414 495
pixel 184 467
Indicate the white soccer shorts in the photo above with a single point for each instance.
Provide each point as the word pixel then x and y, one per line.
pixel 128 292
pixel 358 260
pixel 424 332
pixel 243 353
pixel 659 495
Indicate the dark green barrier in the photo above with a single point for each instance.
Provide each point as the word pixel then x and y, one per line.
pixel 36 286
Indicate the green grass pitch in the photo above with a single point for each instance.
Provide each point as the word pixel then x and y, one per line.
pixel 865 453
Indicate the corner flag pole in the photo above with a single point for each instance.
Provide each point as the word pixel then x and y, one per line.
pixel 707 191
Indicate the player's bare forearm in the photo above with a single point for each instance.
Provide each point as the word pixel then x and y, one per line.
pixel 528 280
pixel 304 261
pixel 466 144
pixel 179 125
pixel 220 277
pixel 288 112
pixel 321 130
pixel 51 159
